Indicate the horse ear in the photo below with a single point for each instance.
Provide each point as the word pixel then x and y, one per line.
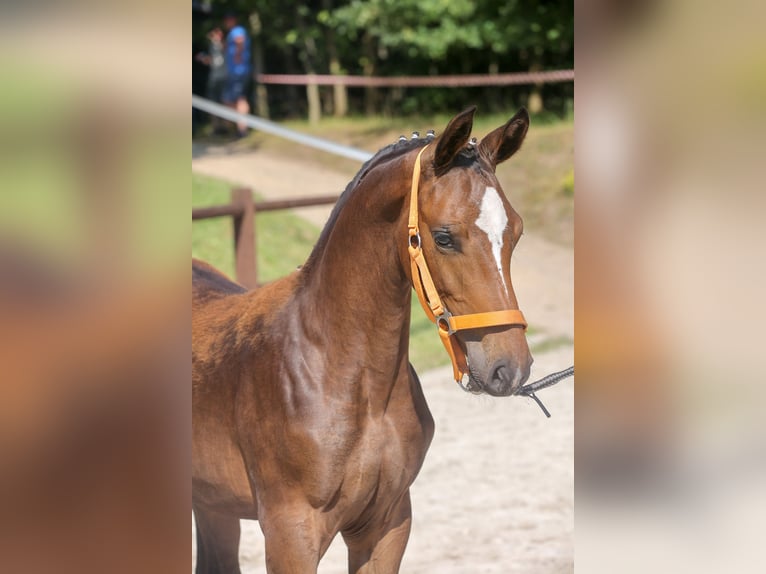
pixel 454 138
pixel 502 143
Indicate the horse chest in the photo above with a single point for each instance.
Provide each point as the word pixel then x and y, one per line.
pixel 341 454
pixel 383 464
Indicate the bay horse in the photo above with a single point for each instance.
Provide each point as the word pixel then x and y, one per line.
pixel 306 413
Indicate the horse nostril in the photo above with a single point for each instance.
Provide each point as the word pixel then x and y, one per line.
pixel 501 379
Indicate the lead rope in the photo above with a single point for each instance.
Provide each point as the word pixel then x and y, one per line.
pixel 544 383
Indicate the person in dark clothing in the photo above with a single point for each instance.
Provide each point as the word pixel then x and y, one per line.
pixel 216 79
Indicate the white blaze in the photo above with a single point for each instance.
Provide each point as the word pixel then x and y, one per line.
pixel 492 221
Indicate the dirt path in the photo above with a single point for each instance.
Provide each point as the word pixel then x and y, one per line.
pixel 495 494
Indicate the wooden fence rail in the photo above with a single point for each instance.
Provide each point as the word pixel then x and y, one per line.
pixel 243 209
pixel 463 80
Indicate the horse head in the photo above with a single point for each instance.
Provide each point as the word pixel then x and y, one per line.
pixel 467 232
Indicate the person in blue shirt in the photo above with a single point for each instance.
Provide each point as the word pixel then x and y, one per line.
pixel 238 68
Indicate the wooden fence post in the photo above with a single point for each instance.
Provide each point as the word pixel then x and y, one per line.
pixel 244 238
pixel 314 101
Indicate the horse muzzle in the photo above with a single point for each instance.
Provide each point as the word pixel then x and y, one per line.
pixel 505 377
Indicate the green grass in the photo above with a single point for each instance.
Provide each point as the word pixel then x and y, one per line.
pixel 284 240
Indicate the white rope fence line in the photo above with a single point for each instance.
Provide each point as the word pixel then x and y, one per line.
pixel 272 128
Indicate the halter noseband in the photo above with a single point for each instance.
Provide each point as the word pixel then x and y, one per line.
pixel 447 324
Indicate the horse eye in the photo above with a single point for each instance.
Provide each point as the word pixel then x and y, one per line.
pixel 443 239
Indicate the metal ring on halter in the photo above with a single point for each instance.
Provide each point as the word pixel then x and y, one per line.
pixel 442 322
pixel 416 236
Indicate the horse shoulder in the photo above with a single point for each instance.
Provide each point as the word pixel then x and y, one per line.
pixel 232 329
pixel 230 323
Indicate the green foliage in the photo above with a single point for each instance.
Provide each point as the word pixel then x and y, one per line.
pixel 421 29
pixel 413 37
pixel 433 28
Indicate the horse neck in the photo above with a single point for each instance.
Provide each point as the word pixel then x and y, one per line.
pixel 356 295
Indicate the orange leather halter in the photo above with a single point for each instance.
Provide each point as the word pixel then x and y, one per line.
pixel 446 323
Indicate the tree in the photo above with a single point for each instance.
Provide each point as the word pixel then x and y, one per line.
pixel 409 37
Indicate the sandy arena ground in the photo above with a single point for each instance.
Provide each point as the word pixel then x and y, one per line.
pixel 495 494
